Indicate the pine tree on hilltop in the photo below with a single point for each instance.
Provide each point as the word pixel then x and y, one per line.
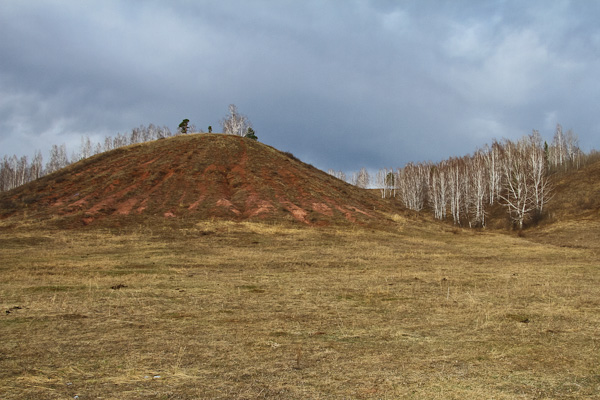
pixel 250 134
pixel 183 126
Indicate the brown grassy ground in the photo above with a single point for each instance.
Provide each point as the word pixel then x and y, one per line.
pixel 251 310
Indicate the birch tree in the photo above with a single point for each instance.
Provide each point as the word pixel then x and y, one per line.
pixel 385 180
pixel 538 176
pixel 493 167
pixel 517 194
pixel 58 158
pixel 454 185
pixel 438 189
pixel 572 149
pixel 361 179
pixel 36 169
pixel 413 182
pixel 235 123
pixel 85 149
pixel 478 182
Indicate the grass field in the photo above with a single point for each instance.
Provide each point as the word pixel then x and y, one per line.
pixel 245 310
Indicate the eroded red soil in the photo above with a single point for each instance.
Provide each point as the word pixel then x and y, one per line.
pixel 195 176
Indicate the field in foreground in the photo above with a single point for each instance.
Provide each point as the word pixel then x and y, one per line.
pixel 241 310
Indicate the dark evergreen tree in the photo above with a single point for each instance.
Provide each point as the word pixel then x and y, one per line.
pixel 183 126
pixel 251 134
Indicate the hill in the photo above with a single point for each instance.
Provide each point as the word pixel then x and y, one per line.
pixel 573 213
pixel 576 194
pixel 192 177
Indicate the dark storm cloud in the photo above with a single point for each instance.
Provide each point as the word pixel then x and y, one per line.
pixel 341 84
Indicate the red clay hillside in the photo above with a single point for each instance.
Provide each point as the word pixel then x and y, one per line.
pixel 193 177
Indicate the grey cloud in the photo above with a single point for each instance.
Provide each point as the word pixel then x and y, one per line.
pixel 340 84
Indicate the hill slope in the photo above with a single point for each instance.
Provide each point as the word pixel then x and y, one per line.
pixel 576 194
pixel 573 218
pixel 193 177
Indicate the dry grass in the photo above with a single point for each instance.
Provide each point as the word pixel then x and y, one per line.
pixel 243 310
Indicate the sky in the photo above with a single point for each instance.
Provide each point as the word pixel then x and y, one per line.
pixel 341 84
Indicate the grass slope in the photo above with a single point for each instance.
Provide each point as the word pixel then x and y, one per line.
pixel 574 211
pixel 230 310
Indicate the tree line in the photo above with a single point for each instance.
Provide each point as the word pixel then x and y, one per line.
pixel 16 171
pixel 515 174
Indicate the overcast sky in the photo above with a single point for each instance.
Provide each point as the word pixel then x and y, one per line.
pixel 342 84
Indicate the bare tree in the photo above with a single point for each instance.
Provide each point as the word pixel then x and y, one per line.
pixel 517 191
pixel 455 192
pixel 380 181
pixel 338 174
pixel 8 173
pixel 361 179
pixel 341 175
pixel 85 149
pixel 108 143
pixel 391 182
pixel 97 148
pixel 36 169
pixel 538 176
pixel 235 123
pixel 558 149
pixel 58 158
pixel 477 180
pixel 573 152
pixel 493 167
pixel 438 190
pixel 413 184
pixel 137 135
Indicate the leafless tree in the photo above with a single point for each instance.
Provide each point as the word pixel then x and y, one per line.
pixel 108 143
pixel 438 190
pixel 338 174
pixel 9 172
pixel 539 179
pixel 385 180
pixel 574 154
pixel 361 179
pixel 564 152
pixel 455 192
pixel 85 149
pixel 137 135
pixel 517 192
pixel 235 123
pixel 493 167
pixel 413 183
pixel 558 149
pixel 36 168
pixel 97 148
pixel 341 176
pixel 58 158
pixel 477 182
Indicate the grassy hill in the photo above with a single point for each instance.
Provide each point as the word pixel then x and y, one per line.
pixel 573 214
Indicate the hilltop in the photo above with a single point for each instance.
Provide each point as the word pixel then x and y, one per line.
pixel 193 177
